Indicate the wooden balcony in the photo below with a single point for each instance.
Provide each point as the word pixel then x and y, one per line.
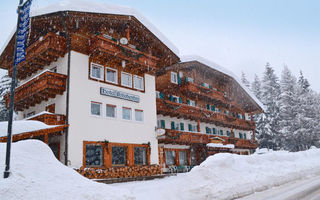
pixel 207 94
pixel 101 46
pixel 42 87
pixel 40 54
pixel 168 108
pixel 179 137
pixel 50 118
pixel 246 144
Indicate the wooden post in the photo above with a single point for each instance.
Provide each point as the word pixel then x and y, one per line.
pixel 46 138
pixel 198 122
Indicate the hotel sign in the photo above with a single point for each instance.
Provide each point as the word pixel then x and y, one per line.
pixel 119 94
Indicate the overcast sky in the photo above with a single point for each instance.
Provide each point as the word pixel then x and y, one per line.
pixel 241 35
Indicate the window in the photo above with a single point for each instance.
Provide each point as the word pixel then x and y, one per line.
pixel 213 108
pixel 193 128
pixel 111 75
pixel 126 79
pixel 95 108
pixel 126 113
pixel 182 158
pixel 138 82
pixel 244 136
pixel 240 135
pixel 138 115
pixel 214 131
pixel 221 132
pixel 119 156
pixel 175 99
pixel 206 85
pixel 174 77
pixel 174 126
pixel 111 111
pixel 181 126
pixel 158 94
pixel 140 156
pixel 162 124
pixel 208 106
pixel 94 155
pixel 191 103
pixel 208 130
pixel 189 79
pixel 54 69
pixel 228 133
pixel 226 112
pixel 96 71
pixel 170 157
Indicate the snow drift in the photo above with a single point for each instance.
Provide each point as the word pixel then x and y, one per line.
pixel 37 174
pixel 227 176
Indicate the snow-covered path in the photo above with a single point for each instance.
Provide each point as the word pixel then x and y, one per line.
pixel 305 189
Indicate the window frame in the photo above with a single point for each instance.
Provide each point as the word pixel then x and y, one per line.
pixel 174 74
pixel 142 116
pixel 116 75
pixel 101 72
pixel 97 103
pixel 102 155
pixel 115 111
pixel 142 82
pixel 122 84
pixel 130 113
pixel 126 156
pixel 146 154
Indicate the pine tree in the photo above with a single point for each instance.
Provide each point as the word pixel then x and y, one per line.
pixel 268 123
pixel 288 105
pixel 5 84
pixel 256 87
pixel 244 80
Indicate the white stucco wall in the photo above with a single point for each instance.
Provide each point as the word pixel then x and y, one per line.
pixel 85 127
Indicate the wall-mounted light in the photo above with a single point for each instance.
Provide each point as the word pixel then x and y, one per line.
pixel 123 63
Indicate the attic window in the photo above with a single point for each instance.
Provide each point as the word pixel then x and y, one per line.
pixel 174 77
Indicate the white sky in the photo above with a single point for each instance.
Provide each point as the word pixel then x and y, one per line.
pixel 239 35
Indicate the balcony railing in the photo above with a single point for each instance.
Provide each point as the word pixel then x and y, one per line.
pixel 178 110
pixel 42 87
pixel 179 137
pixel 101 46
pixel 40 54
pixel 50 118
pixel 202 92
pixel 187 138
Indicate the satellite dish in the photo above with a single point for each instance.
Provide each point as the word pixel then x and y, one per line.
pixel 124 41
pixel 160 131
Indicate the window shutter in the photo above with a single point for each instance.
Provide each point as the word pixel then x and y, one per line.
pixel 197 128
pixel 210 86
pixel 190 127
pixel 161 95
pixel 208 107
pixel 180 100
pixel 182 126
pixel 245 136
pixel 188 102
pixel 163 124
pixel 207 130
pixel 172 126
pixel 228 133
pixel 171 98
pixel 179 79
pixel 214 131
pixel 187 79
pixel 213 108
pixel 221 132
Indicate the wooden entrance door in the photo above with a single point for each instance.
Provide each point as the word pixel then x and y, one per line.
pixel 55 147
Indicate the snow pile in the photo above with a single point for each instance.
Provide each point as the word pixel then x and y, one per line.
pixel 23 126
pixel 220 145
pixel 36 174
pixel 226 176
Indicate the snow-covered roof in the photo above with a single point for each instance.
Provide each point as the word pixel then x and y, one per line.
pixel 23 126
pixel 40 113
pixel 189 58
pixel 84 6
pixel 220 145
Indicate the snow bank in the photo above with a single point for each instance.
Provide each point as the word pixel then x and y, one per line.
pixel 225 176
pixel 36 174
pixel 23 126
pixel 219 145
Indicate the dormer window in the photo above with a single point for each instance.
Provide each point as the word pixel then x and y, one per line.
pixel 174 77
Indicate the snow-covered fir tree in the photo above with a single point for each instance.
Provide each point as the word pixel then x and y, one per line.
pixel 288 105
pixel 268 122
pixel 244 80
pixel 5 83
pixel 256 86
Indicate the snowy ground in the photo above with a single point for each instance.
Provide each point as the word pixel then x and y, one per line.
pixel 36 174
